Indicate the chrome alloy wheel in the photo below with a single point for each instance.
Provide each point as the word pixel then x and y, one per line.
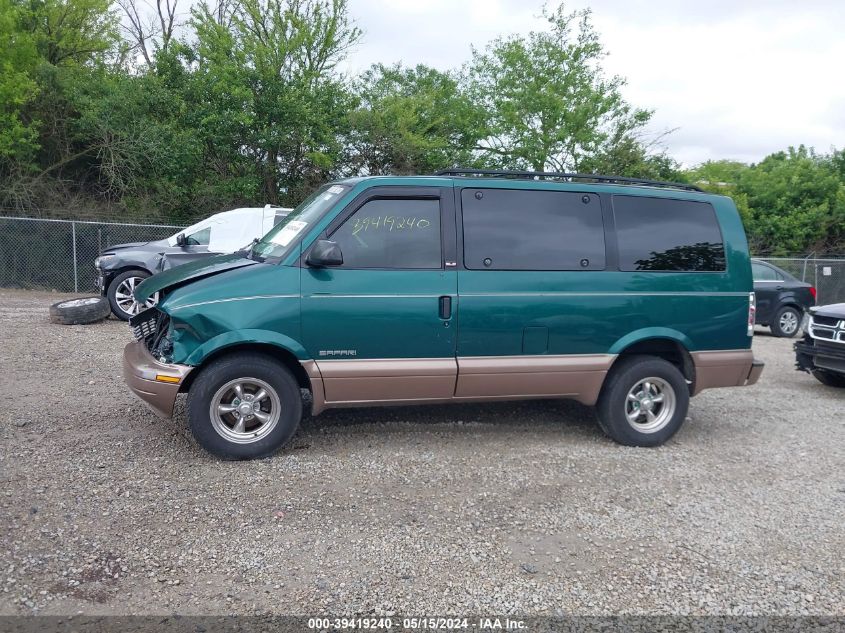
pixel 650 405
pixel 124 297
pixel 788 322
pixel 245 410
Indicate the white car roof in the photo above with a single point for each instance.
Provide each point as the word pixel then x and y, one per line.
pixel 236 228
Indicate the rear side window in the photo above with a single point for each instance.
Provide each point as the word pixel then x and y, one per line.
pixel 760 272
pixel 512 229
pixel 667 235
pixel 395 233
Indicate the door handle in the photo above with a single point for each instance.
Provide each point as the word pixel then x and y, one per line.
pixel 446 307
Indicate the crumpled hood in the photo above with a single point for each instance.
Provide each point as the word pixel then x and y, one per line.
pixel 835 310
pixel 189 272
pixel 121 247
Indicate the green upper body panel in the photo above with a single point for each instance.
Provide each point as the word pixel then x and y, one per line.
pixel 374 313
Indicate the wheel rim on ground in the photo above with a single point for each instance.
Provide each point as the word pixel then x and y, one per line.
pixel 650 405
pixel 245 410
pixel 78 303
pixel 788 322
pixel 124 297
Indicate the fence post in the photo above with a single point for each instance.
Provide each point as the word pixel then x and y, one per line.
pixel 75 275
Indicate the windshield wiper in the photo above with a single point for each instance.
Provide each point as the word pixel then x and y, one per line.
pixel 246 251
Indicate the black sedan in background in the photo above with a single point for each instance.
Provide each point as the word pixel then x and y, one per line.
pixel 782 299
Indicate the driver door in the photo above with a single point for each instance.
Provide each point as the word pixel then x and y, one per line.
pixel 196 248
pixel 380 325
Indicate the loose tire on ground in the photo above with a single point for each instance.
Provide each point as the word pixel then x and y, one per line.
pixel 636 386
pixel 119 289
pixel 226 392
pixel 80 311
pixel 787 322
pixel 829 378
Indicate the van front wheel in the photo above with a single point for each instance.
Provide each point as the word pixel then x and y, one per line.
pixel 244 406
pixel 644 401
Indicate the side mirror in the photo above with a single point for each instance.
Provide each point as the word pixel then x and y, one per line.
pixel 325 253
pixel 181 240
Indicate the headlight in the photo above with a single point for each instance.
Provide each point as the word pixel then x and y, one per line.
pixel 103 260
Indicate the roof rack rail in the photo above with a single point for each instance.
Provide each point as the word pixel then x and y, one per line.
pixel 537 175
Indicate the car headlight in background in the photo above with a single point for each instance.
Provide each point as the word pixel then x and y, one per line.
pixel 102 260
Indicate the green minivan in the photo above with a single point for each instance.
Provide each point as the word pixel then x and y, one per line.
pixel 470 285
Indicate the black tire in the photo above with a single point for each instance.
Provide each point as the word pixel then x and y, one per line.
pixel 829 378
pixel 613 404
pixel 787 313
pixel 116 310
pixel 243 368
pixel 80 311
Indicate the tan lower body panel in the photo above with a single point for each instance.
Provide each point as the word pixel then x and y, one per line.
pixel 414 381
pixel 350 382
pixel 726 368
pixel 501 377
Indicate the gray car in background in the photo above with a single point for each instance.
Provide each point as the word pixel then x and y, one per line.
pixel 122 267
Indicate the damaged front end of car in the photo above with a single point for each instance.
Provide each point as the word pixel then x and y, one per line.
pixel 822 350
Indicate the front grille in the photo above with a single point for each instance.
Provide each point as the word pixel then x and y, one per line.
pixel 828 328
pixel 826 320
pixel 831 350
pixel 145 324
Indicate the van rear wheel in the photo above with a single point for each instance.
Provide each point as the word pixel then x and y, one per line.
pixel 244 406
pixel 644 401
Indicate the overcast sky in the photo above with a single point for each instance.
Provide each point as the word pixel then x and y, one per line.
pixel 737 79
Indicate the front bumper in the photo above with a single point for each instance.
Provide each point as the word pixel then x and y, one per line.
pixel 102 280
pixel 813 354
pixel 154 382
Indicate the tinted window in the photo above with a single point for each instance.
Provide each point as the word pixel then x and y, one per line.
pixel 507 229
pixel 392 234
pixel 669 235
pixel 763 273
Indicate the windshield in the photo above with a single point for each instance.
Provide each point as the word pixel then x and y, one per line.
pixel 282 238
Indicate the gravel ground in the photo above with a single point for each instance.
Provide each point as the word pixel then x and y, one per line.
pixel 509 509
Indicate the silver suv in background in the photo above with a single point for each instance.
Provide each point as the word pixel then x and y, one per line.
pixel 122 267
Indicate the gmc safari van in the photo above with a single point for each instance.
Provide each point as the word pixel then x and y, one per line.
pixel 465 286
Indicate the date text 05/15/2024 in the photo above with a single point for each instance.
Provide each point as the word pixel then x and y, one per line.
pixel 416 623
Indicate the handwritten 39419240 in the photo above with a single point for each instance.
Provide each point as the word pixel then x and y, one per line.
pixel 388 223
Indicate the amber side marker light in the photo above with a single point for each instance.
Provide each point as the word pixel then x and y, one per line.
pixel 162 378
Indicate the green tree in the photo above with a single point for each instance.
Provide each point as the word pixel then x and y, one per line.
pixel 268 93
pixel 18 59
pixel 797 202
pixel 549 104
pixel 411 120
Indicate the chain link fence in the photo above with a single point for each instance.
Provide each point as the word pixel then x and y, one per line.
pixel 59 254
pixel 827 274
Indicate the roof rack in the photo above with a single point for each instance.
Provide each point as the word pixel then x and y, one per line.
pixel 537 175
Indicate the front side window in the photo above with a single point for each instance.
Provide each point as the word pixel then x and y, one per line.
pixel 518 229
pixel 199 238
pixel 392 233
pixel 662 234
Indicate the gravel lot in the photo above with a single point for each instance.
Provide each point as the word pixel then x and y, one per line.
pixel 475 509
